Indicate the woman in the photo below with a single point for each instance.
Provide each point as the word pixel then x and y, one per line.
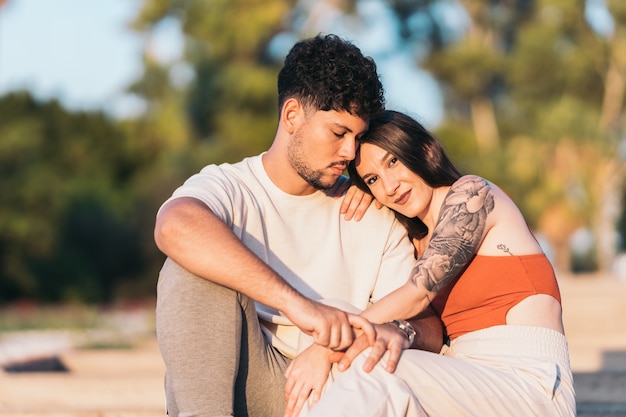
pixel 482 269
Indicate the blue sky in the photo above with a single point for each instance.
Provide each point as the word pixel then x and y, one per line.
pixel 79 51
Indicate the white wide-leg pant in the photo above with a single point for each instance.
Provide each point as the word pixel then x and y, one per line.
pixel 498 371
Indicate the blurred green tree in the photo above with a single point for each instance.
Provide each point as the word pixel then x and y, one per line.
pixel 68 229
pixel 229 108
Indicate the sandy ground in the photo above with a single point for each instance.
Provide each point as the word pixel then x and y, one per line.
pixel 129 383
pixel 594 312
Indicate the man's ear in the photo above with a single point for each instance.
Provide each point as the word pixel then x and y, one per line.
pixel 290 115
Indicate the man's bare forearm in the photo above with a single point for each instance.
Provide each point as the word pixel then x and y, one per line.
pixel 187 231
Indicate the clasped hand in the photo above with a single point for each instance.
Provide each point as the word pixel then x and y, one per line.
pixel 308 372
pixel 329 326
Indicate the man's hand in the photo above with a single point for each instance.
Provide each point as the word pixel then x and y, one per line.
pixel 355 203
pixel 388 338
pixel 329 326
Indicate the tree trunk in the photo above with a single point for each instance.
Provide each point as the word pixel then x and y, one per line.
pixel 608 181
pixel 485 126
pixel 613 95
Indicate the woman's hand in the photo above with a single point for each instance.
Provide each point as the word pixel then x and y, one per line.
pixel 355 203
pixel 388 338
pixel 306 375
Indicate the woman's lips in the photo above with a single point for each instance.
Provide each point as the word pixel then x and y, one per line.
pixel 403 198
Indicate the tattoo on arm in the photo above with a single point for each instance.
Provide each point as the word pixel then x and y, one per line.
pixel 457 234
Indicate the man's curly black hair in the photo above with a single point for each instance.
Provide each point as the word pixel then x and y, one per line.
pixel 329 73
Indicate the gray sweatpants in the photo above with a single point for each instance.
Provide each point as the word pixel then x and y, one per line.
pixel 218 362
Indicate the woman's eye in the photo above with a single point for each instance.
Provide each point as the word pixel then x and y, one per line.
pixel 393 161
pixel 371 180
pixel 339 135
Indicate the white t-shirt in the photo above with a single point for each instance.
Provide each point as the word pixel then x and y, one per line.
pixel 305 240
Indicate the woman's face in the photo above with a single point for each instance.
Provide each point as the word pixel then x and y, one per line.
pixel 392 183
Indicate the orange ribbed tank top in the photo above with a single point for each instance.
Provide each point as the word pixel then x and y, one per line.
pixel 483 294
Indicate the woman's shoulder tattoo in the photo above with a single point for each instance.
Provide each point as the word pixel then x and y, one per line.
pixel 458 232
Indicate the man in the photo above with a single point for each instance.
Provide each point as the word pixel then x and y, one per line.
pixel 253 246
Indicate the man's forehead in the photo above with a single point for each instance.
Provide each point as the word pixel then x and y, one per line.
pixel 345 119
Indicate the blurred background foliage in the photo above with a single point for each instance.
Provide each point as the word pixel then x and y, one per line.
pixel 534 101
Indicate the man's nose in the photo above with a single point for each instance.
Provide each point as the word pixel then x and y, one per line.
pixel 348 149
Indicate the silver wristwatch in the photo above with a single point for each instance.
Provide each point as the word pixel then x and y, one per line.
pixel 407 328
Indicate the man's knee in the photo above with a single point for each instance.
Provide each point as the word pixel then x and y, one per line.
pixel 179 290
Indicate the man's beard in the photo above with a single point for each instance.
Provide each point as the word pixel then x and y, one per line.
pixel 297 159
